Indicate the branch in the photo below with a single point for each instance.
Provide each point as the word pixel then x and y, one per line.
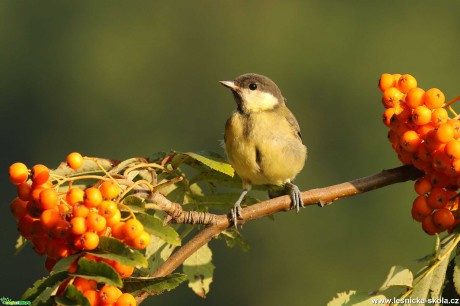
pixel 322 196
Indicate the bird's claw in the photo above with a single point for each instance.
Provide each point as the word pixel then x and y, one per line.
pixel 236 212
pixel 296 196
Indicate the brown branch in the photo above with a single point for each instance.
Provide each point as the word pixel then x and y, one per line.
pixel 321 196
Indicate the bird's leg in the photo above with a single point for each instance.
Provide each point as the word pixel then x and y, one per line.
pixel 296 196
pixel 236 210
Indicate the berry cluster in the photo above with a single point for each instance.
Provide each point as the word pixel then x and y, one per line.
pixel 61 220
pixel 422 134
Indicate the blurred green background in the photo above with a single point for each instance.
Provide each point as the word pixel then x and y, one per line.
pixel 120 79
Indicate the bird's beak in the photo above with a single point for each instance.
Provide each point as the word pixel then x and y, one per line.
pixel 229 84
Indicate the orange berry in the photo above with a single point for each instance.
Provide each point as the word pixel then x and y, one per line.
pixel 74 195
pixel 109 294
pixel 55 249
pixel 118 230
pixel 18 208
pixel 391 96
pixel 126 299
pixel 439 116
pixel 456 125
pixel 62 229
pixel 74 160
pixel 414 97
pixel 440 160
pixel 428 225
pixel 437 198
pixel 18 173
pixel 109 190
pixel 406 82
pixel 396 77
pixel 48 199
pixel 410 141
pixel 84 284
pixel 393 137
pixel 93 197
pixel 89 241
pixel 420 208
pixel 387 114
pixel 444 133
pixel 424 153
pixel 95 222
pixel 141 242
pixel 80 210
pixel 114 219
pixel 107 209
pixel 452 149
pixel 443 218
pixel 40 174
pixel 133 228
pixel 92 296
pixel 422 186
pixel 24 191
pixel 386 81
pixel 33 210
pixel 123 270
pixel 438 179
pixel 433 98
pixel 78 225
pixel 421 115
pixel 25 225
pixel 49 218
pixel 37 230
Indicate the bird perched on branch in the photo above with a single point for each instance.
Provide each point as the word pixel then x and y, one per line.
pixel 262 138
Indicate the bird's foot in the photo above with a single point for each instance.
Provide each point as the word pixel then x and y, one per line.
pixel 236 212
pixel 296 196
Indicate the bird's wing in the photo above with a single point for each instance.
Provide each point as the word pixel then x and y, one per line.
pixel 293 122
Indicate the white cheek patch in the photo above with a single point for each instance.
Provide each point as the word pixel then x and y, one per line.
pixel 255 100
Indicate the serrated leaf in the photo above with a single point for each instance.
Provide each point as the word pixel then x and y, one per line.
pixel 44 297
pixel 356 299
pixel 398 276
pixel 199 270
pixel 154 226
pixel 212 160
pixel 114 249
pixel 157 252
pixel 98 271
pixel 135 203
pixel 72 296
pixel 233 238
pixel 126 164
pixel 65 263
pixel 88 166
pixel 177 194
pixel 20 244
pixel 157 285
pixel 51 281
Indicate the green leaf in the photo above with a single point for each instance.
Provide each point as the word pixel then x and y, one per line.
pixel 45 297
pixel 88 166
pixel 126 164
pixel 98 271
pixel 65 263
pixel 135 203
pixel 212 160
pixel 154 226
pixel 356 299
pixel 218 178
pixel 156 285
pixel 223 201
pixel 157 252
pixel 72 296
pixel 199 270
pixel 52 281
pixel 114 249
pixel 233 238
pixel 20 244
pixel 398 276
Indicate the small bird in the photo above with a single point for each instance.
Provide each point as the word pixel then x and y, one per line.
pixel 262 138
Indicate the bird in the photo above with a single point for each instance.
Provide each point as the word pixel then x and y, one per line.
pixel 262 139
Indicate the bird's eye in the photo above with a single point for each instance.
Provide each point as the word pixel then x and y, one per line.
pixel 253 86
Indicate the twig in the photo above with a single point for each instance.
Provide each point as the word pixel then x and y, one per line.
pixel 321 196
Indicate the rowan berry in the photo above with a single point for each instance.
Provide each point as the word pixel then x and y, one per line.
pixel 74 195
pixel 391 96
pixel 55 249
pixel 92 296
pixel 18 208
pixel 62 229
pixel 420 208
pixel 114 219
pixel 78 225
pixel 428 225
pixel 118 230
pixel 24 226
pixel 437 198
pixel 48 199
pixel 107 209
pixel 443 218
pixel 18 173
pixel 393 137
pixel 414 97
pixel 406 82
pixel 444 133
pixel 126 299
pixel 40 245
pixel 24 191
pixel 410 141
pixel 49 218
pixel 440 160
pixel 123 270
pixel 439 116
pixel 386 81
pixel 89 241
pixel 438 179
pixel 84 284
pixel 40 174
pixel 109 190
pixel 74 160
pixel 433 98
pixel 133 228
pixel 422 186
pixel 456 125
pixel 141 242
pixel 95 222
pixel 80 210
pixel 109 294
pixel 37 230
pixel 421 115
pixel 92 197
